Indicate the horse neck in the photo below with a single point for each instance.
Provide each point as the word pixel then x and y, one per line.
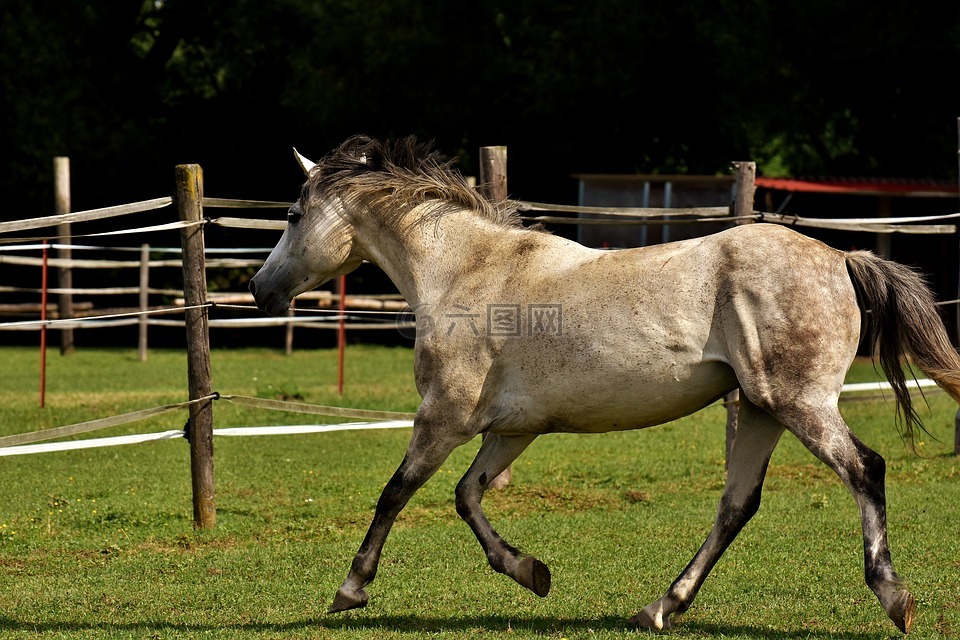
pixel 425 256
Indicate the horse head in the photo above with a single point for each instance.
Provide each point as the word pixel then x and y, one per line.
pixel 317 245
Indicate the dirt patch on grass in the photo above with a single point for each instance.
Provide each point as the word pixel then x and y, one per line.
pixel 12 565
pixel 521 500
pixel 524 499
pixel 192 543
pixel 633 496
pixel 801 475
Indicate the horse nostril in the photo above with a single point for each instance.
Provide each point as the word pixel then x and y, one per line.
pixel 253 287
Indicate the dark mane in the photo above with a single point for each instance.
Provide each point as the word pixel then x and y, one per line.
pixel 394 177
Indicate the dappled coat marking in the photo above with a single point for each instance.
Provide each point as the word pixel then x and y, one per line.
pixel 523 333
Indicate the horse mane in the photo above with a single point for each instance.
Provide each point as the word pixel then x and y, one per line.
pixel 392 178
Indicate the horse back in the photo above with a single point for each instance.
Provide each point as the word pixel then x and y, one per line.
pixel 632 338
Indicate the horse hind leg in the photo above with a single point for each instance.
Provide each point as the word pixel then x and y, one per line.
pixel 497 453
pixel 757 436
pixel 862 470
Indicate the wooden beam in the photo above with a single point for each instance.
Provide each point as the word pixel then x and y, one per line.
pixel 61 172
pixel 189 181
pixel 493 185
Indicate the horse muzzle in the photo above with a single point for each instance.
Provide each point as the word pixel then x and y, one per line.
pixel 270 301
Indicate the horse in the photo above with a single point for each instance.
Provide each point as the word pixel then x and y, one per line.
pixel 522 333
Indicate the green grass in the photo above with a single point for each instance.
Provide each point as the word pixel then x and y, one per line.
pixel 99 543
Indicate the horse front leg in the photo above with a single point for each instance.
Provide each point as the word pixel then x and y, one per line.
pixel 496 454
pixel 424 456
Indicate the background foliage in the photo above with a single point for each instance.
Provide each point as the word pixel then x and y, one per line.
pixel 129 89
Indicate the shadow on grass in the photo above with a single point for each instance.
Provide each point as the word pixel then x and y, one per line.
pixel 420 624
pixel 551 625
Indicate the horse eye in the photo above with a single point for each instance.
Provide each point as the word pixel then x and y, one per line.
pixel 294 214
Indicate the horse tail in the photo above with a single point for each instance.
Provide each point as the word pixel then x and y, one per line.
pixel 900 319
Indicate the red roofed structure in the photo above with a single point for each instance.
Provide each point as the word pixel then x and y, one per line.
pixel 864 186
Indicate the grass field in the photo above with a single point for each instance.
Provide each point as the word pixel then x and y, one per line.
pixel 99 544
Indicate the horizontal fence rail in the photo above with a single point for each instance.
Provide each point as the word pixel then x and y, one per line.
pixel 353 320
pixel 661 216
pixel 84 216
pixel 23 443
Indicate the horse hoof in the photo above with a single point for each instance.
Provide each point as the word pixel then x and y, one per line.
pixel 903 610
pixel 346 600
pixel 643 620
pixel 652 621
pixel 535 575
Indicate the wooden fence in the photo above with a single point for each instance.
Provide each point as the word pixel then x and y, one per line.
pixel 197 302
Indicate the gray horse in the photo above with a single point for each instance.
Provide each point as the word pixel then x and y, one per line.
pixel 527 333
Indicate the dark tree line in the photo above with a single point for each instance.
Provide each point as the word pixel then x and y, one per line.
pixel 129 89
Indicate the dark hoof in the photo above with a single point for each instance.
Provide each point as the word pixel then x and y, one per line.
pixel 643 620
pixel 344 601
pixel 535 576
pixel 903 610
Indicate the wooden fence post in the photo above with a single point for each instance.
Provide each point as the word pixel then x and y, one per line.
pixel 493 185
pixel 144 300
pixel 493 173
pixel 956 419
pixel 288 337
pixel 61 187
pixel 189 182
pixel 744 189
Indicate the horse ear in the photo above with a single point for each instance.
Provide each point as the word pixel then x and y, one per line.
pixel 305 164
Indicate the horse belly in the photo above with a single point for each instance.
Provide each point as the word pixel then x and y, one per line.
pixel 598 404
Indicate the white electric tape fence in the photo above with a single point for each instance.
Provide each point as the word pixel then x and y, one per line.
pixel 23 443
pixel 316 318
pixel 321 318
pixel 27 443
